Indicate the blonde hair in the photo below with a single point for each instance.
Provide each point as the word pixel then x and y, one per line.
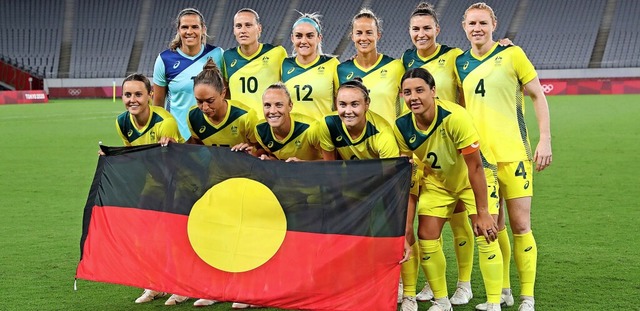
pixel 367 13
pixel 177 41
pixel 480 6
pixel 310 18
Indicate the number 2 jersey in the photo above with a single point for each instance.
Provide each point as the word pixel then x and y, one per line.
pixel 439 147
pixel 493 92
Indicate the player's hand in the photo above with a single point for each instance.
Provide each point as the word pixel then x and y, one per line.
pixel 294 159
pixel 265 156
pixel 505 42
pixel 542 156
pixel 484 225
pixel 243 147
pixel 100 152
pixel 407 252
pixel 164 141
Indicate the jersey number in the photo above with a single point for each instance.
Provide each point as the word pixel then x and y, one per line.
pixel 480 87
pixel 249 84
pixel 434 164
pixel 306 88
pixel 520 171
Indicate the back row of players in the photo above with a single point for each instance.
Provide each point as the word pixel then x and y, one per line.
pixel 324 109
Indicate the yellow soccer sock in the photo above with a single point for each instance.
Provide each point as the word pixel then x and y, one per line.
pixel 525 253
pixel 409 272
pixel 435 266
pixel 505 248
pixel 490 260
pixel 463 244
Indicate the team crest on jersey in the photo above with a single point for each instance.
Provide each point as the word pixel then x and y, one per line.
pixel 234 130
pixel 152 134
pixel 176 65
pixel 350 75
pixel 202 129
pixel 443 133
pixel 441 62
pixel 129 133
pixel 321 69
pixel 270 144
pixel 265 60
pixel 383 74
pixel 410 63
pixel 290 71
pixel 498 60
pixel 233 63
pixel 466 64
pixel 298 144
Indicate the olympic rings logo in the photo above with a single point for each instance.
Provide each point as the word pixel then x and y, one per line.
pixel 74 92
pixel 547 88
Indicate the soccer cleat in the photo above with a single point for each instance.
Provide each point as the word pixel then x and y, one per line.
pixel 203 302
pixel 175 299
pixel 506 300
pixel 526 305
pixel 461 296
pixel 425 294
pixel 149 295
pixel 441 305
pixel 239 305
pixel 493 307
pixel 400 291
pixel 409 304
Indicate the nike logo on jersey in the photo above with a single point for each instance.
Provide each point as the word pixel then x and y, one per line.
pixel 176 65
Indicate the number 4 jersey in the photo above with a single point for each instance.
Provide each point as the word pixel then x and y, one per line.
pixel 493 95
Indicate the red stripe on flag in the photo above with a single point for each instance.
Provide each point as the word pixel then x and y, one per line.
pixel 310 271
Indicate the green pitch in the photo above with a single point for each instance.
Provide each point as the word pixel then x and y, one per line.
pixel 585 213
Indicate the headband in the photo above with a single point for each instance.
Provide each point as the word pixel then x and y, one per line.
pixel 307 20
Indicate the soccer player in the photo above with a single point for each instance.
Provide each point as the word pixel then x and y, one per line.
pixel 286 135
pixel 309 74
pixel 380 73
pixel 216 121
pixel 353 131
pixel 442 135
pixel 252 66
pixel 493 78
pixel 144 124
pixel 175 67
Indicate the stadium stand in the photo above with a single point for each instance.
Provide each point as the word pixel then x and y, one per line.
pixel 103 32
pixel 553 41
pixel 103 37
pixel 623 44
pixel 31 34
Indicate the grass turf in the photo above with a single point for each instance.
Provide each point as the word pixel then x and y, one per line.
pixel 585 217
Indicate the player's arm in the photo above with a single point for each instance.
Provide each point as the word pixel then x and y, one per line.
pixel 484 223
pixel 159 95
pixel 542 156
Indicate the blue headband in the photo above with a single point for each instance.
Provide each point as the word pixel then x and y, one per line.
pixel 307 20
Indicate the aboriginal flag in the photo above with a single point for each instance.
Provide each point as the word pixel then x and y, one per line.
pixel 206 222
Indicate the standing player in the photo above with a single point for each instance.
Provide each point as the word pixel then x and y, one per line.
pixel 442 135
pixel 144 124
pixel 309 74
pixel 493 78
pixel 286 135
pixel 380 73
pixel 251 66
pixel 175 67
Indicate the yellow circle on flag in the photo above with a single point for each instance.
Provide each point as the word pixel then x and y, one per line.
pixel 237 225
